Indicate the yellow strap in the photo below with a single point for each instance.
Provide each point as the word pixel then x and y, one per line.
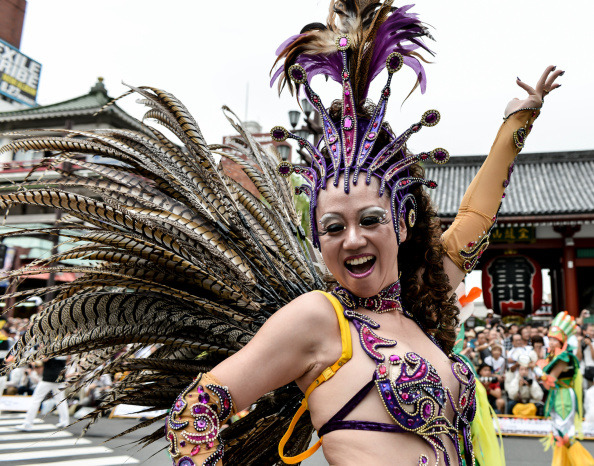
pixel 347 353
pixel 281 446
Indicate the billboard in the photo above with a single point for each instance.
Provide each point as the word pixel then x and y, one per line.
pixel 19 75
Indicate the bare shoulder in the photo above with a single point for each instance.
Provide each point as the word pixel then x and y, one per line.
pixel 311 310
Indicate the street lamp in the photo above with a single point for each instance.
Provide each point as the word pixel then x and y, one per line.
pixel 302 133
pixel 307 107
pixel 294 117
pixel 284 151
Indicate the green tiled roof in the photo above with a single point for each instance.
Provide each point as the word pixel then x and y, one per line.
pixel 87 104
pixel 84 102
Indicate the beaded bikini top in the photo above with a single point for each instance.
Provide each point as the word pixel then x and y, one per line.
pixel 410 387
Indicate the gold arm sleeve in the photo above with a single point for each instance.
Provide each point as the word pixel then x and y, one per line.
pixel 195 421
pixel 468 236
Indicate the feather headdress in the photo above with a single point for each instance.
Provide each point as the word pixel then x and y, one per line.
pixel 360 39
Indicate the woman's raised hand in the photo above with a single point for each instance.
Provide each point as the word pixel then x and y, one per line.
pixel 545 84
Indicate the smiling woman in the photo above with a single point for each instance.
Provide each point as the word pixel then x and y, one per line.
pixel 227 286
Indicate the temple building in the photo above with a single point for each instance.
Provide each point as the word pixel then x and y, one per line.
pixel 545 224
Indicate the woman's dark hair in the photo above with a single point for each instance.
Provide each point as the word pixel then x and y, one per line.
pixel 425 285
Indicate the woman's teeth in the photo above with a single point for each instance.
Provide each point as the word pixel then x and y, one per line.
pixel 359 260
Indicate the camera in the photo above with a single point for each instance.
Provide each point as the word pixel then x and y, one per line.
pixel 488 379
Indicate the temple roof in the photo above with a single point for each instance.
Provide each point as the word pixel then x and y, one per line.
pixel 84 106
pixel 550 185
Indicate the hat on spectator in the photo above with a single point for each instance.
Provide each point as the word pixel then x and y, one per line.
pixel 524 360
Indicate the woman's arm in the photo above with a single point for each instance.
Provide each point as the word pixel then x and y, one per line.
pixel 286 348
pixel 292 345
pixel 468 236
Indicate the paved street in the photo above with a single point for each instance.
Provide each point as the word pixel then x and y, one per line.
pixel 48 447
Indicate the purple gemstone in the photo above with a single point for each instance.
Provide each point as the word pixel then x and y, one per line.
pixel 297 74
pixel 410 422
pixel 343 42
pixel 185 461
pixel 394 358
pixel 348 123
pixel 440 155
pixel 201 423
pixel 424 460
pixel 198 409
pixel 182 443
pixel 204 398
pixel 284 169
pixel 431 118
pixel 200 389
pixel 332 139
pixel 278 134
pixel 371 135
pixel 395 62
pixel 388 395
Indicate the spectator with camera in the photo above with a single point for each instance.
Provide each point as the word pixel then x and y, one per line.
pixel 492 385
pixel 522 387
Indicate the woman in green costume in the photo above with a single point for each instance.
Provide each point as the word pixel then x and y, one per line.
pixel 564 404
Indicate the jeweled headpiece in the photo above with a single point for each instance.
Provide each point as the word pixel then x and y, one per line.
pixel 562 327
pixel 366 38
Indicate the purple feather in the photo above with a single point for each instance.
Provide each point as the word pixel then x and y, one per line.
pixel 286 43
pixel 329 65
pixel 391 38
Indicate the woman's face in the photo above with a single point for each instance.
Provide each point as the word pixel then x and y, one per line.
pixel 554 344
pixel 357 239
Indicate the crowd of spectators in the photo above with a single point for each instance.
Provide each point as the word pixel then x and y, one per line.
pixel 509 359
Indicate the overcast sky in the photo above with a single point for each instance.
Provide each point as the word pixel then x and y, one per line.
pixel 206 53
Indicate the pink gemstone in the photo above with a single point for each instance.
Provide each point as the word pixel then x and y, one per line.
pixel 343 42
pixel 200 389
pixel 210 444
pixel 405 396
pixel 347 93
pixel 348 149
pixel 333 147
pixel 367 146
pixel 375 124
pixel 348 122
pixel 345 75
pixel 195 450
pixel 394 358
pixel 382 369
pixel 370 339
pixel 371 135
pixel 463 401
pixel 427 410
pixel 226 404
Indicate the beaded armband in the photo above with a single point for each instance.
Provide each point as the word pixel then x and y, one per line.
pixel 195 421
